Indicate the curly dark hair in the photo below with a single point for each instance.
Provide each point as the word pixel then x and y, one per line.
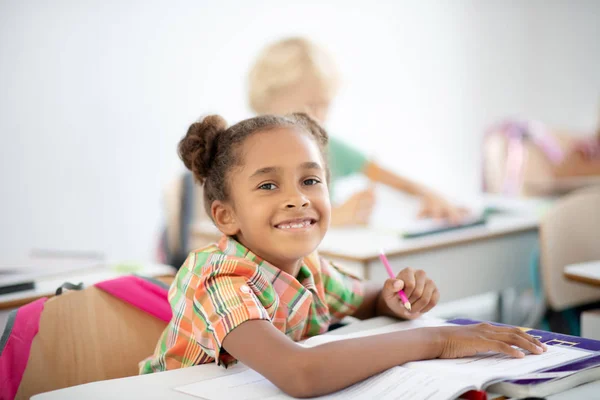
pixel 210 149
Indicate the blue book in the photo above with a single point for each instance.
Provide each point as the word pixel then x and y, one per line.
pixel 555 379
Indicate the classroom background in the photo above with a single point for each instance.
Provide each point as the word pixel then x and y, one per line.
pixel 95 96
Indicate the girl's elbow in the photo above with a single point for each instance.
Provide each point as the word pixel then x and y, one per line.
pixel 301 386
pixel 297 391
pixel 305 380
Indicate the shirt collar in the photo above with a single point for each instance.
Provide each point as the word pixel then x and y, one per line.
pixel 231 247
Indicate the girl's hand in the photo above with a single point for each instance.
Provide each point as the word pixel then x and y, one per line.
pixel 465 341
pixel 434 206
pixel 419 289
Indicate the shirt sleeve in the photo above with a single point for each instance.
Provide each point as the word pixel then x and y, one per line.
pixel 344 292
pixel 344 159
pixel 176 346
pixel 223 301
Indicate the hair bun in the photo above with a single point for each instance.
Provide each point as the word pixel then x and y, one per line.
pixel 197 149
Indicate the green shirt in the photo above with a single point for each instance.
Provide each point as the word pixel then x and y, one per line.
pixel 344 160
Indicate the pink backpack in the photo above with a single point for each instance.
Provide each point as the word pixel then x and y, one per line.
pixel 516 132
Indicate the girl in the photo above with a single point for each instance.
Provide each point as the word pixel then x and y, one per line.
pixel 265 184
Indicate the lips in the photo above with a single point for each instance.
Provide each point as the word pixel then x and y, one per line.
pixel 297 223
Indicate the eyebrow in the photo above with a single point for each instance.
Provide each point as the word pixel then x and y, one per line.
pixel 265 171
pixel 269 170
pixel 311 165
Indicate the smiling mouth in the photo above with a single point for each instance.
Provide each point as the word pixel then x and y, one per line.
pixel 299 224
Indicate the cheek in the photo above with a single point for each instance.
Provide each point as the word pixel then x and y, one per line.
pixel 323 203
pixel 259 213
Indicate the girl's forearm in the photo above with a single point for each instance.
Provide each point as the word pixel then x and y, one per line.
pixel 334 366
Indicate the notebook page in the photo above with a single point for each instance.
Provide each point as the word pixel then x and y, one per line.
pixel 394 384
pixel 484 368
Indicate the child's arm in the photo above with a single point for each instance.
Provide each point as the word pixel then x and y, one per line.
pixel 434 205
pixel 308 372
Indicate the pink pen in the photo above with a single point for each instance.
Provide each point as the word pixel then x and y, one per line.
pixel 386 263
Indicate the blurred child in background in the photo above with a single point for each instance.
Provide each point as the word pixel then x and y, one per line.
pixel 296 75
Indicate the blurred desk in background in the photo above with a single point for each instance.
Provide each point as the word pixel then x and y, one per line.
pixel 560 186
pixel 45 286
pixel 88 274
pixel 587 272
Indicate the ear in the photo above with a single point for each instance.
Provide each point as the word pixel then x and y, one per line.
pixel 224 217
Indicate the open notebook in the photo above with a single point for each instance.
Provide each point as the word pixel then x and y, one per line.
pixel 430 379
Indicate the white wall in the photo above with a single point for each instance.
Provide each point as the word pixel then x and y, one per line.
pixel 94 95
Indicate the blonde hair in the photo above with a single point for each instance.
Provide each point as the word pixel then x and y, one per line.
pixel 285 63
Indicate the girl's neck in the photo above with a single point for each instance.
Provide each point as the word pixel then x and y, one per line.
pixel 290 267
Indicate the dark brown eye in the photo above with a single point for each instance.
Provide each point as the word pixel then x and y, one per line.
pixel 311 182
pixel 267 186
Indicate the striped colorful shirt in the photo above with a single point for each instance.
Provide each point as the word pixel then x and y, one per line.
pixel 223 285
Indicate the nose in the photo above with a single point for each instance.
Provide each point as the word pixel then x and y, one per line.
pixel 296 199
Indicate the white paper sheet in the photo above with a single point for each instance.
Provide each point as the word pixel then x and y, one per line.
pixel 394 384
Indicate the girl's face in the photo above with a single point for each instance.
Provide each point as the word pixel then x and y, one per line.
pixel 279 199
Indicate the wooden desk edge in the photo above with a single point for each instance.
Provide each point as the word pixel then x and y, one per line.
pixel 432 246
pixel 582 279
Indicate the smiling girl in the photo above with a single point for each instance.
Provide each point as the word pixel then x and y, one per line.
pixel 263 286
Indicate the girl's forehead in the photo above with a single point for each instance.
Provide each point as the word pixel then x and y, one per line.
pixel 282 147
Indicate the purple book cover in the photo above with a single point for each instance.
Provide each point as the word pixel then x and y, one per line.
pixel 551 338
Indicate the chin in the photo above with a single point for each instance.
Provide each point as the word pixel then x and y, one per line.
pixel 303 251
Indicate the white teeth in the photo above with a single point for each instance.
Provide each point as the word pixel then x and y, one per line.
pixel 296 225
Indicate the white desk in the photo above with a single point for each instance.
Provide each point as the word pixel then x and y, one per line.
pixel 588 272
pixel 160 385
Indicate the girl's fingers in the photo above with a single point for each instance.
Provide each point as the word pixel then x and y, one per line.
pixel 518 340
pixel 420 281
pixel 424 300
pixel 435 297
pixel 391 287
pixel 499 347
pixel 408 276
pixel 513 336
pixel 525 336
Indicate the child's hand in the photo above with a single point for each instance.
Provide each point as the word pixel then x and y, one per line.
pixel 434 206
pixel 419 289
pixel 356 210
pixel 465 341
